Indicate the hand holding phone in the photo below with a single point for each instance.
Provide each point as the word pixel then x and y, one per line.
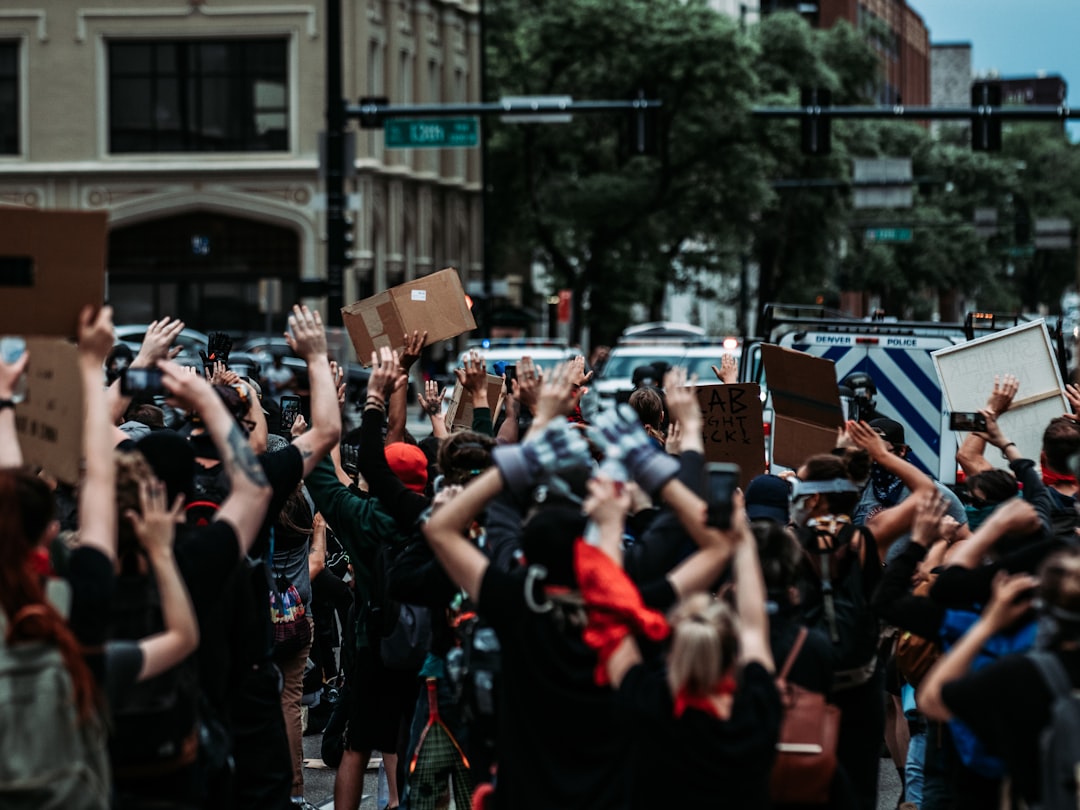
pixel 141 382
pixel 721 482
pixel 967 421
pixel 290 409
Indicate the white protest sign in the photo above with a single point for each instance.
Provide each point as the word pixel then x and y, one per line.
pixel 967 377
pixel 50 420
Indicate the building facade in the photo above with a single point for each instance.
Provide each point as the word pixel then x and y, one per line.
pixel 900 38
pixel 196 125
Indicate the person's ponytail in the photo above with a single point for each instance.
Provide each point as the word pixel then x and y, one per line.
pixel 30 618
pixel 704 645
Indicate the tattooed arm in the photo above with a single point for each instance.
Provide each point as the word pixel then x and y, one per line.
pixel 250 491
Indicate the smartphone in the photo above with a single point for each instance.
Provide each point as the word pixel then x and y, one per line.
pixel 290 409
pixel 141 382
pixel 967 421
pixel 721 482
pixel 511 374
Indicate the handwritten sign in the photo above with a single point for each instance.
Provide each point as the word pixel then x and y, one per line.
pixel 732 424
pixel 50 420
pixel 967 378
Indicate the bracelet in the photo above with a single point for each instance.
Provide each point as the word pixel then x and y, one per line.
pixel 375 402
pixel 7 403
pixel 1005 447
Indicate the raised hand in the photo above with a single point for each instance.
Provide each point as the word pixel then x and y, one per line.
pixel 431 398
pixel 306 335
pixel 680 397
pixel 10 373
pixel 157 342
pixel 414 344
pixel 526 387
pixel 472 377
pixel 386 376
pixel 156 526
pixel 338 374
pixel 728 371
pixel 96 334
pixel 929 515
pixel 1005 388
pixel 868 439
pixel 558 394
pixel 299 426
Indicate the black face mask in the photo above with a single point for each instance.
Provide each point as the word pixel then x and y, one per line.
pixel 887 486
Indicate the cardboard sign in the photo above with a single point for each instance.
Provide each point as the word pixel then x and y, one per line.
pixel 50 420
pixel 967 378
pixel 806 404
pixel 52 264
pixel 435 304
pixel 459 412
pixel 731 418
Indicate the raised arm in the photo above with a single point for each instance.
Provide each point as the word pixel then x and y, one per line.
pixel 1010 601
pixel 156 528
pixel 97 495
pixel 250 491
pixel 398 405
pixel 10 452
pixel 431 403
pixel 684 410
pixel 156 345
pixel 750 593
pixel 465 564
pixel 970 455
pixel 307 338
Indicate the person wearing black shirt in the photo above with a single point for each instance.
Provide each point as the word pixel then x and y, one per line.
pixel 1007 703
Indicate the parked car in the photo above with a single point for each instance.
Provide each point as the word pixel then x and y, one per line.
pixel 190 341
pixel 697 355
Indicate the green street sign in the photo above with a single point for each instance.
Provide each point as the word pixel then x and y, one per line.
pixel 431 133
pixel 888 234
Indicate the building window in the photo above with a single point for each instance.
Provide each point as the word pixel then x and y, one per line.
pixel 9 98
pixel 198 96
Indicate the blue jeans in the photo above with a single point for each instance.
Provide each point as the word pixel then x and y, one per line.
pixel 913 768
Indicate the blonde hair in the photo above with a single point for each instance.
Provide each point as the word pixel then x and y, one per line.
pixel 704 644
pixel 131 468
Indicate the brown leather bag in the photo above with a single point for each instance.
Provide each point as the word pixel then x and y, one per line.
pixel 806 750
pixel 915 655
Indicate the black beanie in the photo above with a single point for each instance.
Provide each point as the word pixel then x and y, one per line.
pixel 172 459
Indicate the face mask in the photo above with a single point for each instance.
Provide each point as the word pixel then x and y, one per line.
pixel 800 510
pixel 887 487
pixel 977 514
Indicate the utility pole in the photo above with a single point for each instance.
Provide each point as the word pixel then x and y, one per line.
pixel 336 237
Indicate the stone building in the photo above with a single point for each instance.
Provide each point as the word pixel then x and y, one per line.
pixel 196 125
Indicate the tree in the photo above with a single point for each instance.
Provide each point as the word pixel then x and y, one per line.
pixel 610 223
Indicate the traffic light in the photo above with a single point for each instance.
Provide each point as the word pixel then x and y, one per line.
pixel 816 131
pixel 985 131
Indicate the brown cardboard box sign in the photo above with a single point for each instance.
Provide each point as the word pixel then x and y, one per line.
pixel 435 303
pixel 806 404
pixel 733 429
pixel 52 264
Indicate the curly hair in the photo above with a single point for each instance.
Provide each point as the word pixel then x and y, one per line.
pixel 464 455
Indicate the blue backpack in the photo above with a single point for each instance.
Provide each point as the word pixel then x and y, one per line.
pixel 970 748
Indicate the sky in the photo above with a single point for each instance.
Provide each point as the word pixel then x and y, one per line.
pixel 1013 37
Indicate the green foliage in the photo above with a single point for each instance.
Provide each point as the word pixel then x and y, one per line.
pixel 616 226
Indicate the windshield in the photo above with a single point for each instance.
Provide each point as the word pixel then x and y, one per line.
pixel 623 365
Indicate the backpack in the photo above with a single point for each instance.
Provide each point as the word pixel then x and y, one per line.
pixel 969 748
pixel 399 631
pixel 1059 744
pixel 834 603
pixel 48 759
pixel 914 655
pixel 211 488
pixel 156 729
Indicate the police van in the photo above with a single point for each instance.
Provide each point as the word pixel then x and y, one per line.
pixel 896 357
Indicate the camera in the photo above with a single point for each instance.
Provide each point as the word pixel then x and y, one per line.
pixel 721 481
pixel 141 382
pixel 967 421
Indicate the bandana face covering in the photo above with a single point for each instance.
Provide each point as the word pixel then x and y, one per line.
pixel 977 514
pixel 887 487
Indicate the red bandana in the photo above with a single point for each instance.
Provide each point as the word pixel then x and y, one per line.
pixel 614 606
pixel 1055 479
pixel 704 703
pixel 38 560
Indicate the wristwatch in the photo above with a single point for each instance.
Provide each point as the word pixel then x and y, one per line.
pixel 7 403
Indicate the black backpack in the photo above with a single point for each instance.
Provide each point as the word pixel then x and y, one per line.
pixel 1059 743
pixel 211 488
pixel 156 729
pixel 399 631
pixel 834 602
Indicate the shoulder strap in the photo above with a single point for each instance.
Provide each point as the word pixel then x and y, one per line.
pixel 1053 672
pixel 793 654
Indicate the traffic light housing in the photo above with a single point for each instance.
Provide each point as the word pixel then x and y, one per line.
pixel 985 130
pixel 816 128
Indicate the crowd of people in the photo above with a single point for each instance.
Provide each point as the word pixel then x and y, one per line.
pixel 550 609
